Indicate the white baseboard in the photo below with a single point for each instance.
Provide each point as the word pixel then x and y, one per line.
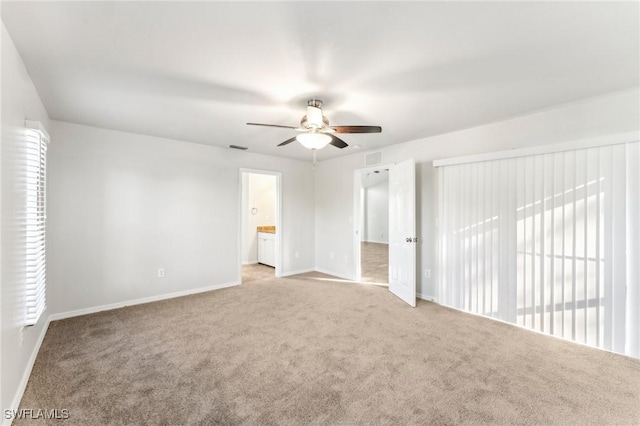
pixel 94 309
pixel 426 297
pixel 377 242
pixel 15 404
pixel 250 262
pixel 299 271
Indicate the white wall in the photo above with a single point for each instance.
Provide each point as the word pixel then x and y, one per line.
pixel 376 213
pixel 260 194
pixel 20 101
pixel 611 114
pixel 122 205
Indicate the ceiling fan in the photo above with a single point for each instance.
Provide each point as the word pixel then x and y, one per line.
pixel 315 131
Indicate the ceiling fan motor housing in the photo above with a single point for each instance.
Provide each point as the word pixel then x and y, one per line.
pixel 314 119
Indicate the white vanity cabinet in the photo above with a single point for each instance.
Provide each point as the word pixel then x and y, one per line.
pixel 267 248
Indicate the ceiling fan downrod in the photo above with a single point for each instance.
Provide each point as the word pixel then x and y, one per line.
pixel 316 103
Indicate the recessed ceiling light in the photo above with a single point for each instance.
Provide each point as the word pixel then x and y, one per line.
pixel 356 146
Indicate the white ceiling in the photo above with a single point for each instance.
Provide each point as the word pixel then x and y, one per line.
pixel 374 177
pixel 199 71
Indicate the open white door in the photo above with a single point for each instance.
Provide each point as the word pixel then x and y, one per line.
pixel 402 231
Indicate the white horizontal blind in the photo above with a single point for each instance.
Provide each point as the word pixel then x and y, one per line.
pixel 36 154
pixel 549 242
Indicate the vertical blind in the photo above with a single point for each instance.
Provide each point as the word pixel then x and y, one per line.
pixel 549 242
pixel 35 218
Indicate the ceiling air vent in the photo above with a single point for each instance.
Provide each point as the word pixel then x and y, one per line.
pixel 242 148
pixel 373 159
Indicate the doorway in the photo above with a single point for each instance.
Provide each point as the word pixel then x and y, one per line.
pixel 399 181
pixel 261 227
pixel 374 225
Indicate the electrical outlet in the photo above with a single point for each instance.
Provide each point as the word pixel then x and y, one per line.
pixel 331 255
pixel 297 255
pixel 427 273
pixel 160 272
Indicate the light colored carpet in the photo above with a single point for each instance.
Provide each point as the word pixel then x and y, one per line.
pixel 313 350
pixel 257 271
pixel 374 263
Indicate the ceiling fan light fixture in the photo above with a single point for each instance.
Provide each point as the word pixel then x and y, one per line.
pixel 313 140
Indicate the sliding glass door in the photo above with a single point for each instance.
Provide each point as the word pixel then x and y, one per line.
pixel 548 242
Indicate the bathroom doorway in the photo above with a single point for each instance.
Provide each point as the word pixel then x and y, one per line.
pixel 260 211
pixel 373 241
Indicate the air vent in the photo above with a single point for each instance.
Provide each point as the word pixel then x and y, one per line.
pixel 242 148
pixel 373 159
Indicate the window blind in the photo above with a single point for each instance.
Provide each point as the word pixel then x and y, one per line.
pixel 35 220
pixel 549 242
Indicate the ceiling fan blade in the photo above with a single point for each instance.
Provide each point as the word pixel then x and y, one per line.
pixel 337 142
pixel 357 129
pixel 287 142
pixel 272 125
